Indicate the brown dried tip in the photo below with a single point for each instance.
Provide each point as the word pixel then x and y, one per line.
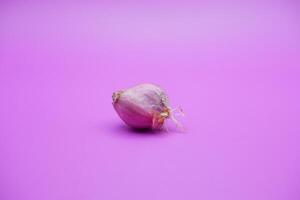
pixel 116 96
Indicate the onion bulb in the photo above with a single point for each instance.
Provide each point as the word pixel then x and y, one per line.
pixel 144 106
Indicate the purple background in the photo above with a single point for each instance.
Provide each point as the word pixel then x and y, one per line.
pixel 233 67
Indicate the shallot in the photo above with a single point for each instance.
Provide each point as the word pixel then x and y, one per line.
pixel 144 106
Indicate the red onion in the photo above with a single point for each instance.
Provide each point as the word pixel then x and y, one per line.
pixel 143 106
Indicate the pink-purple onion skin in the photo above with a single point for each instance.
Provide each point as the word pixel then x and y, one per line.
pixel 144 106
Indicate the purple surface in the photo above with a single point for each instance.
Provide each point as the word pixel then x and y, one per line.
pixel 234 68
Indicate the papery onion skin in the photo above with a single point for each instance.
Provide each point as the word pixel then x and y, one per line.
pixel 144 106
